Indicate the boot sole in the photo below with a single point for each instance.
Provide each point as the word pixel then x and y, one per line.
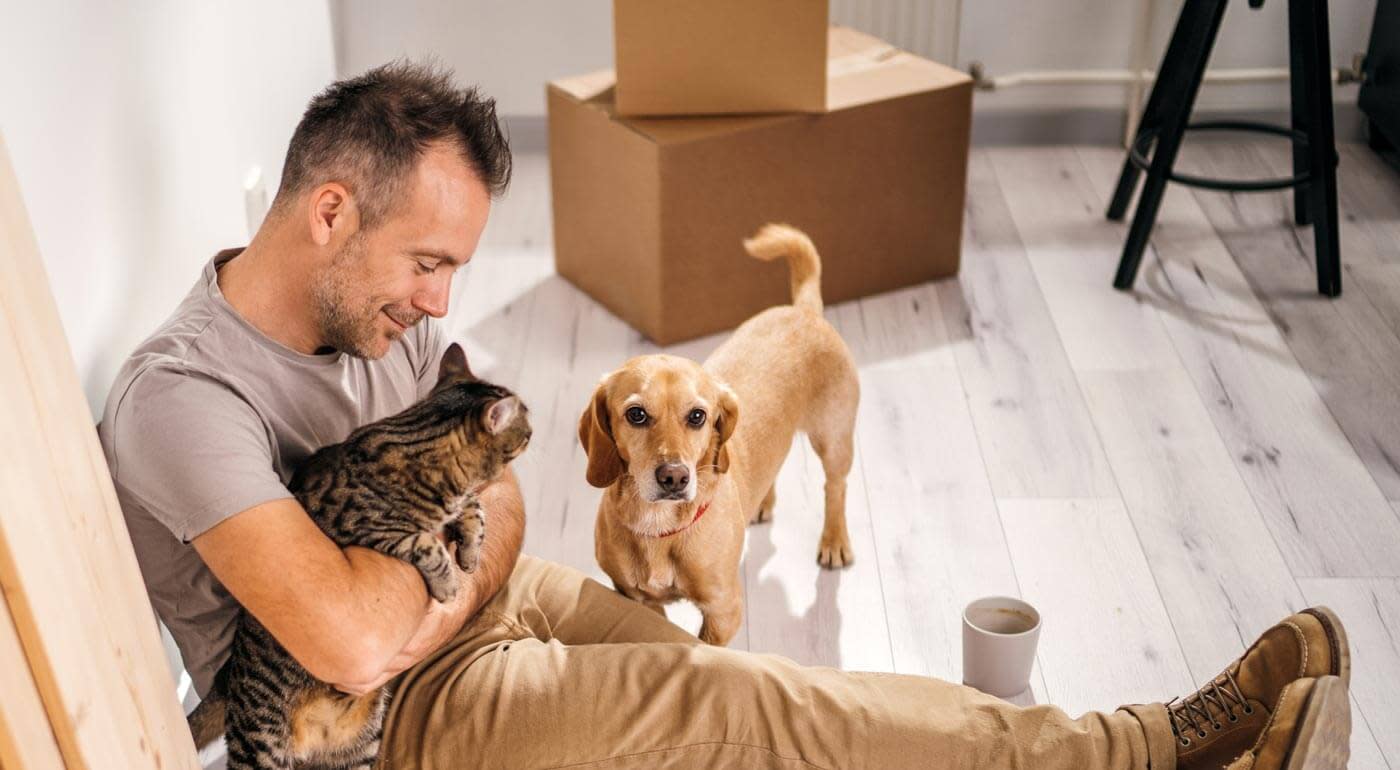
pixel 1337 635
pixel 1323 738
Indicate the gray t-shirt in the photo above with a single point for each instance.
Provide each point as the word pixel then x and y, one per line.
pixel 208 418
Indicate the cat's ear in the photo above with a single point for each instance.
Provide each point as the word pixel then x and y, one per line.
pixel 501 414
pixel 454 364
pixel 595 433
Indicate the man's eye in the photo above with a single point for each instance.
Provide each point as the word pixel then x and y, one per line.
pixel 696 418
pixel 423 269
pixel 636 415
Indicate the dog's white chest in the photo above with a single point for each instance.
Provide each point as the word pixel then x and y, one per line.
pixel 656 581
pixel 661 579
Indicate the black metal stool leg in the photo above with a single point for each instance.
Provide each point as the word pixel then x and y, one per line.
pixel 1322 150
pixel 1299 37
pixel 1197 53
pixel 1172 76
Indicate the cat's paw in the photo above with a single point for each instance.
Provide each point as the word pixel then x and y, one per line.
pixel 472 528
pixel 443 588
pixel 468 556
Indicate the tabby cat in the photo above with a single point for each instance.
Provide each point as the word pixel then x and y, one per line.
pixel 391 486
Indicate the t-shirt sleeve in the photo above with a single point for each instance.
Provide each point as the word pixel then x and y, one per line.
pixel 190 451
pixel 431 345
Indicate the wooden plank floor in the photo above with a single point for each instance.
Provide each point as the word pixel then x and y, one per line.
pixel 1165 473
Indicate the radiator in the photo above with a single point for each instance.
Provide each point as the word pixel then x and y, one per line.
pixel 928 28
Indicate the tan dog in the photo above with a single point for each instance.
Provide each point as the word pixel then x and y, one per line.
pixel 684 473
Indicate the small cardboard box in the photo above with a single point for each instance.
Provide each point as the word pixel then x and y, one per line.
pixel 699 57
pixel 649 213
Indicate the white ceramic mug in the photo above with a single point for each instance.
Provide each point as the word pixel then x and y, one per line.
pixel 999 638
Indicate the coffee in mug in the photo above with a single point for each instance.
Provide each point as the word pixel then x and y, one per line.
pixel 999 640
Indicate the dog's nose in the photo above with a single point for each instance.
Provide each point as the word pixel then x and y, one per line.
pixel 673 477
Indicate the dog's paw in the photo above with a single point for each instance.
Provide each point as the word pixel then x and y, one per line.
pixel 835 552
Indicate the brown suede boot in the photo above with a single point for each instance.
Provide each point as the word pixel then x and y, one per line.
pixel 1310 729
pixel 1261 701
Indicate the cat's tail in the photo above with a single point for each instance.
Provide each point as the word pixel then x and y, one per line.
pixel 207 720
pixel 804 266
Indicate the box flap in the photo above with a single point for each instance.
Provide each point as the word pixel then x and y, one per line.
pixel 861 70
pixel 597 90
pixel 584 88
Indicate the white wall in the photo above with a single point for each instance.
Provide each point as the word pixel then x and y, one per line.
pixel 510 48
pixel 513 48
pixel 131 126
pixel 1013 35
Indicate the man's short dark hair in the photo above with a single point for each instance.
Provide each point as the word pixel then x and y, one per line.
pixel 368 133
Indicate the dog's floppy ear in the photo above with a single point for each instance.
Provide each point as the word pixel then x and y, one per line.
pixel 596 436
pixel 725 421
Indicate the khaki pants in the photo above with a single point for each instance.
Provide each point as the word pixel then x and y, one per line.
pixel 558 671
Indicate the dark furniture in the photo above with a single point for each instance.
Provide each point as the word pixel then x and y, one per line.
pixel 1166 120
pixel 1380 90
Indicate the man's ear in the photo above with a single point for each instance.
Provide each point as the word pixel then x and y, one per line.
pixel 725 420
pixel 331 208
pixel 595 434
pixel 454 364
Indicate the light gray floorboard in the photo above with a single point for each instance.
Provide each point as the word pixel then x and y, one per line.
pixel 1036 436
pixel 1345 345
pixel 1222 578
pixel 1325 512
pixel 1064 551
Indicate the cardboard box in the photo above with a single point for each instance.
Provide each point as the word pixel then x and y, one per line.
pixel 696 57
pixel 649 214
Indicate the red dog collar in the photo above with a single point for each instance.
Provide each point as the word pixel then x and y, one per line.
pixel 698 513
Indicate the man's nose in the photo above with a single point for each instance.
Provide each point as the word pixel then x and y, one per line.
pixel 434 298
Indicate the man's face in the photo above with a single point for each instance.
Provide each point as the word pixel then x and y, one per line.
pixel 384 281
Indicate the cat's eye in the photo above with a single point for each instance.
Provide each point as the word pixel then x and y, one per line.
pixel 636 415
pixel 696 418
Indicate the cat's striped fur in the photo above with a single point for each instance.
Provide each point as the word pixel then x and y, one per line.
pixel 392 486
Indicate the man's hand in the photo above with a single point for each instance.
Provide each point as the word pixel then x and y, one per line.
pixel 441 621
pixel 505 515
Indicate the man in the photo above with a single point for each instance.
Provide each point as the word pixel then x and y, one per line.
pixel 323 323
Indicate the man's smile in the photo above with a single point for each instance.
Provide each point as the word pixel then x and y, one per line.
pixel 402 324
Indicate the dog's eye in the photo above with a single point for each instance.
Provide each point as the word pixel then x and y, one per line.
pixel 696 418
pixel 636 415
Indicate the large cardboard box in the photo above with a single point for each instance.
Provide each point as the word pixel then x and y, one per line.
pixel 694 57
pixel 649 214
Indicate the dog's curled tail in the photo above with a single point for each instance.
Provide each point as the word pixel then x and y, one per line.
pixel 804 266
pixel 207 720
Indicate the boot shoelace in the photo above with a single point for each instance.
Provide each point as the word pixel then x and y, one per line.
pixel 1198 705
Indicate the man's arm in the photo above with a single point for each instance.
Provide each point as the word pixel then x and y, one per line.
pixel 337 612
pixel 505 530
pixel 350 615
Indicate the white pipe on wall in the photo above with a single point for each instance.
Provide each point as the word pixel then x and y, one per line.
pixel 1111 77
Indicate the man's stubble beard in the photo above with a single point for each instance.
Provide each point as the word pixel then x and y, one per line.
pixel 348 323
